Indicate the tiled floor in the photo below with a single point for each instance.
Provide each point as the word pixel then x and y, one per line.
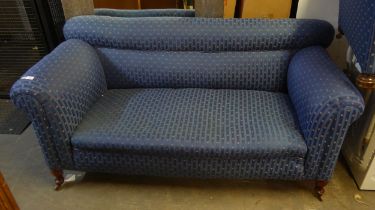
pixel 24 169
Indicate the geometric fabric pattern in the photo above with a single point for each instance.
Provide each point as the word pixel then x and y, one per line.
pixel 198 34
pixel 193 123
pixel 197 97
pixel 57 92
pixel 357 21
pixel 326 103
pixel 115 162
pixel 262 70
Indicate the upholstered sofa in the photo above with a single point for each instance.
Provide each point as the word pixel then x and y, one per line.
pixel 191 97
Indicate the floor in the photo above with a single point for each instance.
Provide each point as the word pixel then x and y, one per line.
pixel 12 121
pixel 24 169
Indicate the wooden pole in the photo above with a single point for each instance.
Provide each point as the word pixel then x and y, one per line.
pixel 7 201
pixel 77 7
pixel 209 8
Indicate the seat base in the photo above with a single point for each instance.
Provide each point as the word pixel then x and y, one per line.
pixel 130 164
pixel 192 123
pixel 204 133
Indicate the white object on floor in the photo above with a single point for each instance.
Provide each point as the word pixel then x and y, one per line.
pixel 73 176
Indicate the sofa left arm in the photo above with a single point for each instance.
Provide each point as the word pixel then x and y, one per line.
pixel 327 103
pixel 56 93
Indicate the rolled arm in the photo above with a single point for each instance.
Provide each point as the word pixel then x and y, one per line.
pixel 56 93
pixel 327 103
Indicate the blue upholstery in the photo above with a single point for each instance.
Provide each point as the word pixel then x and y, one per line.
pixel 123 163
pixel 145 12
pixel 164 124
pixel 192 123
pixel 262 98
pixel 266 70
pixel 198 34
pixel 326 103
pixel 56 93
pixel 357 21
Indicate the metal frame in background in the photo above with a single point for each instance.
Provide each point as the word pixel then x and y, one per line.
pixel 29 29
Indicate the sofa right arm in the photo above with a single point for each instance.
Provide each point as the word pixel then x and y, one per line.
pixel 326 103
pixel 56 93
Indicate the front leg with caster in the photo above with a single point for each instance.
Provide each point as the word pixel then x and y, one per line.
pixel 59 178
pixel 319 188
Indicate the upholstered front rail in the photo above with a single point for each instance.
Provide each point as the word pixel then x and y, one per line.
pixel 56 93
pixel 326 103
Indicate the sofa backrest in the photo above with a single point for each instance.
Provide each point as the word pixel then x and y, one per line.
pixel 179 52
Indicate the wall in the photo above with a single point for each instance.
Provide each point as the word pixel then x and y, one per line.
pixel 158 4
pixel 265 8
pixel 135 4
pixel 116 4
pixel 326 10
pixel 319 9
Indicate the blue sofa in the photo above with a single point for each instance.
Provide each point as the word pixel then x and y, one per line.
pixel 191 97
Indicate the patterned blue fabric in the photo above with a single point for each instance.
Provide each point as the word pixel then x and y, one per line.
pixel 145 12
pixel 357 20
pixel 56 93
pixel 326 103
pixel 198 34
pixel 173 127
pixel 116 162
pixel 192 123
pixel 165 69
pixel 195 132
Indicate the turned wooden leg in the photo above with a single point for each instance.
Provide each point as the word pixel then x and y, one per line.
pixel 59 178
pixel 366 82
pixel 319 188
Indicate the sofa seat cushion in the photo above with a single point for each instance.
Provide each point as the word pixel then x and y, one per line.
pixel 192 123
